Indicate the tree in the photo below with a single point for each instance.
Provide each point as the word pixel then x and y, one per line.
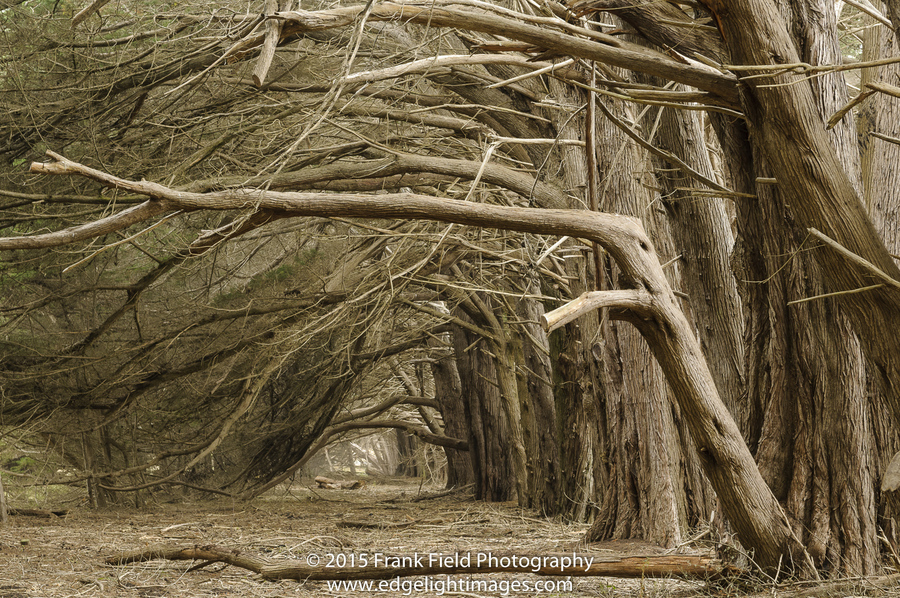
pixel 600 132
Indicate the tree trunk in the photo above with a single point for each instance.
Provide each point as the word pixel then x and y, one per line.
pixel 488 431
pixel 448 393
pixel 406 449
pixel 644 497
pixel 881 178
pixel 814 189
pixel 809 412
pixel 539 410
pixel 578 375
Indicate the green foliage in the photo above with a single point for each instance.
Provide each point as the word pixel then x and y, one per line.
pixel 23 464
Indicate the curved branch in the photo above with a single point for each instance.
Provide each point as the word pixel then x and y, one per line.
pixel 97 228
pixel 622 236
pixel 634 301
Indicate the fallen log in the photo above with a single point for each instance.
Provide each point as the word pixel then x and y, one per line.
pixel 392 525
pixel 323 482
pixel 40 512
pixel 381 566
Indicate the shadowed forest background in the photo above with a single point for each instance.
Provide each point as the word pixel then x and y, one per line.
pixel 188 301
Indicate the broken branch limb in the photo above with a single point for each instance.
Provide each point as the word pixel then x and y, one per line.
pixel 681 566
pixel 270 44
pixel 855 258
pixel 588 302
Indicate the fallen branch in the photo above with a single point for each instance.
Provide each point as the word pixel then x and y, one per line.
pixel 330 484
pixel 433 495
pixel 381 566
pixel 270 44
pixel 49 514
pixel 378 525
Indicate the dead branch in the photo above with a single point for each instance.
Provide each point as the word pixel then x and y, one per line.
pixel 97 228
pixel 544 194
pixel 270 44
pixel 328 483
pixel 377 525
pixel 45 513
pixel 550 564
pixel 88 11
pixel 434 495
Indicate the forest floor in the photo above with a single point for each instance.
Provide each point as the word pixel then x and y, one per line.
pixel 65 556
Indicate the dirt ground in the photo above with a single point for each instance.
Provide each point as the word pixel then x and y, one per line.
pixel 64 556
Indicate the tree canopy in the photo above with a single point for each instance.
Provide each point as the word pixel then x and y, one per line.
pixel 232 236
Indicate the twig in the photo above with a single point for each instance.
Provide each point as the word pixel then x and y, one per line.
pixel 835 294
pixel 88 11
pixel 856 259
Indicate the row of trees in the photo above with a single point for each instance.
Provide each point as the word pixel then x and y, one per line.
pixel 697 170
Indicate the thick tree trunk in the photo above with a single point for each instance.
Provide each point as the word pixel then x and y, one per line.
pixel 534 370
pixel 814 189
pixel 580 381
pixel 813 371
pixel 488 430
pixel 448 393
pixel 880 115
pixel 820 465
pixel 645 497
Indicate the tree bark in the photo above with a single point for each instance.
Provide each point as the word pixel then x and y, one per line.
pixel 645 497
pixel 448 393
pixel 814 189
pixel 539 409
pixel 487 424
pixel 880 114
pixel 804 362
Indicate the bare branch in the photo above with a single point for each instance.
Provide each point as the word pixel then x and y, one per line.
pixel 634 301
pixel 270 44
pixel 88 11
pixel 98 228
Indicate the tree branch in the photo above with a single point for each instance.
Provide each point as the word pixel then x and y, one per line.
pixel 623 54
pixel 633 301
